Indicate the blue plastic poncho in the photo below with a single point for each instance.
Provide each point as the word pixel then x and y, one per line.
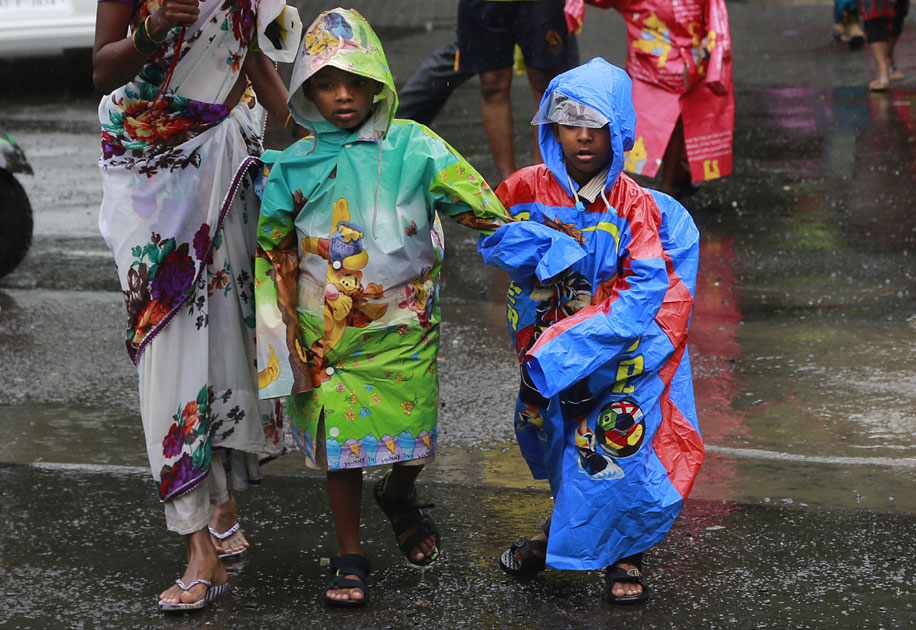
pixel 598 309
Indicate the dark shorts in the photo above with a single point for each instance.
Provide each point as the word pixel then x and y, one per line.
pixel 881 29
pixel 488 31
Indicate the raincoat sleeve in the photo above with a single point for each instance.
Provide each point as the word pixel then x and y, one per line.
pixel 719 44
pixel 600 332
pixel 526 248
pixel 279 30
pixel 281 370
pixel 457 190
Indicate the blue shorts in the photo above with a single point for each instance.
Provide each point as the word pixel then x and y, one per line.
pixel 488 31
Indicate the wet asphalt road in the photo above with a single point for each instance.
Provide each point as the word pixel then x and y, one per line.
pixel 804 341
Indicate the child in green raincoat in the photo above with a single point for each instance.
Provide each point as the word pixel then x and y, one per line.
pixel 347 297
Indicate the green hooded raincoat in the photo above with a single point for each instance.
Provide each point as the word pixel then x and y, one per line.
pixel 349 254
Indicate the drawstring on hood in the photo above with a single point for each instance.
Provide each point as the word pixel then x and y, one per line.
pixel 344 39
pixel 606 89
pixel 378 183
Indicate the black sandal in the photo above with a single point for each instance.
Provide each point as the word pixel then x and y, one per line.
pixel 348 564
pixel 615 573
pixel 530 564
pixel 407 515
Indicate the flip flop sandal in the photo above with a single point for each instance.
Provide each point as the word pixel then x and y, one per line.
pixel 615 573
pixel 895 74
pixel 347 564
pixel 213 592
pixel 530 564
pixel 221 537
pixel 405 516
pixel 881 84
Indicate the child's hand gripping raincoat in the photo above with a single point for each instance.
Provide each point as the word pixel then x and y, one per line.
pixel 350 250
pixel 598 308
pixel 680 60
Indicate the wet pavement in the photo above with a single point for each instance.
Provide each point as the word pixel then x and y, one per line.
pixel 804 342
pixel 86 549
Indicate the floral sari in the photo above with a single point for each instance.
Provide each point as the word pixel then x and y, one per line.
pixel 179 214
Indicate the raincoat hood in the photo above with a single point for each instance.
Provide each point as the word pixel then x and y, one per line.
pixel 343 38
pixel 607 89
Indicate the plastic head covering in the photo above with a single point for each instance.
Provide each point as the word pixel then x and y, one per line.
pixel 342 38
pixel 585 95
pixel 561 109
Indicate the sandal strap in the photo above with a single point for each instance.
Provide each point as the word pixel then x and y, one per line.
pixel 526 546
pixel 618 574
pixel 411 516
pixel 425 527
pixel 635 559
pixel 226 534
pixel 351 564
pixel 188 587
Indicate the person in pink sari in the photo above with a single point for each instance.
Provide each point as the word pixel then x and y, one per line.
pixel 679 57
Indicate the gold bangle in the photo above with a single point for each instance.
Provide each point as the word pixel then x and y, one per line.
pixel 142 43
pixel 150 35
pixel 286 122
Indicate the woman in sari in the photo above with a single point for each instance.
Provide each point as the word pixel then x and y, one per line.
pixel 179 213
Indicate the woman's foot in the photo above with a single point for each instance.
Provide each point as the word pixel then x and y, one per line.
pixel 202 565
pixel 226 540
pixel 894 73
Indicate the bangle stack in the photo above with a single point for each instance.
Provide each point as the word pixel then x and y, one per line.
pixel 143 41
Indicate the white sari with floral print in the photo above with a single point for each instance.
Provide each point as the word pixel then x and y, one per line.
pixel 179 214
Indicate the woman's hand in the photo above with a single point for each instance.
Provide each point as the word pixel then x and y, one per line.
pixel 172 13
pixel 115 59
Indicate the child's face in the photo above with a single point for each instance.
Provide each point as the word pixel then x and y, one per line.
pixel 586 150
pixel 344 99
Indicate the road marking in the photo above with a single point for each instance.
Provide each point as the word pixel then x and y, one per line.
pixel 753 453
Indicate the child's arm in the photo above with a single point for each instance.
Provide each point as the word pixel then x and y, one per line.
pixel 282 368
pixel 599 333
pixel 456 189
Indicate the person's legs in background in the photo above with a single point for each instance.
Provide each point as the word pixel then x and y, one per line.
pixel 425 93
pixel 676 180
pixel 496 112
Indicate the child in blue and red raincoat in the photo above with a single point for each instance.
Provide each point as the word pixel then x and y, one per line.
pixel 603 276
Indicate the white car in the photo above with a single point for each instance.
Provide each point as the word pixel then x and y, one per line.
pixel 38 28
